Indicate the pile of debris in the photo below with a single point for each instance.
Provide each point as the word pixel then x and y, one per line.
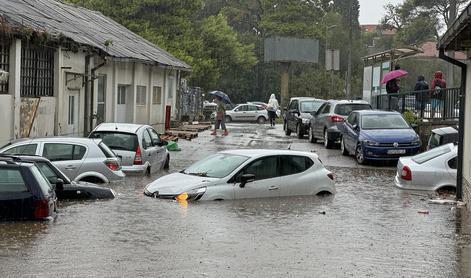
pixel 186 131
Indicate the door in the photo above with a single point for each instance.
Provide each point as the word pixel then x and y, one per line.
pixel 252 113
pixel 239 113
pixel 67 157
pixel 73 115
pixel 121 104
pixel 161 154
pixel 267 182
pixel 293 182
pixel 293 111
pixel 350 134
pixel 149 152
pixel 321 119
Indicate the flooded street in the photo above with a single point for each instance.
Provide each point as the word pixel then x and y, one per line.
pixel 368 229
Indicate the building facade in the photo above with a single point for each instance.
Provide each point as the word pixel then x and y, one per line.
pixel 74 69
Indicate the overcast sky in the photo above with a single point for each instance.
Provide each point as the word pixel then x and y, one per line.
pixel 371 11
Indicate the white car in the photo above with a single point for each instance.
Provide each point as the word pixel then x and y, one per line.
pixel 431 170
pixel 242 174
pixel 246 113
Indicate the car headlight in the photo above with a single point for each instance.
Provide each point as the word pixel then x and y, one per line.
pixel 194 194
pixel 416 142
pixel 306 121
pixel 371 143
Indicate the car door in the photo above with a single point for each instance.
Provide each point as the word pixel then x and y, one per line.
pixel 149 152
pixel 67 157
pixel 238 113
pixel 267 181
pixel 161 154
pixel 350 134
pixel 293 178
pixel 252 113
pixel 321 120
pixel 293 111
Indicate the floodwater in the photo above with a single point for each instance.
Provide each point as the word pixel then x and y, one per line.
pixel 368 229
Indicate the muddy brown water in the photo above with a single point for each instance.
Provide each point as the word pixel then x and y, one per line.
pixel 368 229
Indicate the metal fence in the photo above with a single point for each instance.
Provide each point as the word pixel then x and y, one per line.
pixel 430 104
pixel 191 103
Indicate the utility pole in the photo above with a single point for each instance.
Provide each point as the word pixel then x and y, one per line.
pixel 350 38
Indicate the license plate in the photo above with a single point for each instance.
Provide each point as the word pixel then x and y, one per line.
pixel 396 151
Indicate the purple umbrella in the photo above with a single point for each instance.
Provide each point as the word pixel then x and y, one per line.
pixel 393 74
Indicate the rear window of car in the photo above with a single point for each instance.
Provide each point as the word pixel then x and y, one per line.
pixel 431 154
pixel 11 181
pixel 29 149
pixel 42 180
pixel 118 141
pixel 308 106
pixel 106 151
pixel 346 109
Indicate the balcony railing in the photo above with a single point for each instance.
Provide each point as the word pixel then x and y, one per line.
pixel 431 104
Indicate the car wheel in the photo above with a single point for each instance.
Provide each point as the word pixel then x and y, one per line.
pixel 312 139
pixel 228 119
pixel 287 130
pixel 299 132
pixel 167 163
pixel 261 120
pixel 327 143
pixel 359 155
pixel 343 149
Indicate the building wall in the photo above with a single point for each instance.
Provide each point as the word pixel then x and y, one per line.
pixel 6 114
pixel 467 139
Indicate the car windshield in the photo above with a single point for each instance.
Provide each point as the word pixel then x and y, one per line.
pixel 310 106
pixel 383 121
pixel 117 140
pixel 216 166
pixel 346 109
pixel 431 154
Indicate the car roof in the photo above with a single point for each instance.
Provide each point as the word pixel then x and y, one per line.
pixel 306 98
pixel 265 152
pixel 377 112
pixel 26 158
pixel 83 140
pixel 119 127
pixel 346 101
pixel 445 130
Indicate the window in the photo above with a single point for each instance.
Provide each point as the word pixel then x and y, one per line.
pixel 141 95
pixel 252 108
pixel 62 152
pixel 242 108
pixel 4 61
pixel 352 119
pixel 117 140
pixel 326 109
pixel 29 149
pixel 434 140
pixel 37 70
pixel 452 163
pixel 154 136
pixel 106 151
pixel 42 181
pixel 146 141
pixel 157 95
pixel 71 116
pixel 170 86
pixel 46 170
pixel 101 94
pixel 260 108
pixel 122 90
pixel 12 181
pixel 291 165
pixel 263 168
pixel 346 109
pixel 311 106
pixel 293 105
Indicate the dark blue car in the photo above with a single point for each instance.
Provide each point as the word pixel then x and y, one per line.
pixel 378 135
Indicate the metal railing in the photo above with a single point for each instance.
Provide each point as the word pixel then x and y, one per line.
pixel 440 104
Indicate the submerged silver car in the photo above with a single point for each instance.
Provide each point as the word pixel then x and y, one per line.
pixel 242 174
pixel 81 159
pixel 431 170
pixel 139 146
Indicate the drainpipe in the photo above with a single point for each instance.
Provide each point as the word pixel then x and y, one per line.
pixel 92 91
pixel 87 93
pixel 463 66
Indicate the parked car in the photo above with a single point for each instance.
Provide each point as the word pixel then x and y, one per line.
pixel 241 174
pixel 139 146
pixel 259 103
pixel 299 113
pixel 25 193
pixel 81 159
pixel 246 113
pixel 442 136
pixel 324 124
pixel 65 188
pixel 378 135
pixel 432 170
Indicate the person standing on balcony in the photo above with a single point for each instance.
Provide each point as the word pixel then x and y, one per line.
pixel 421 88
pixel 438 90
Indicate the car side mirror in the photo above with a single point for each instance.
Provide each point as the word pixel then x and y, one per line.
pixel 414 126
pixel 244 179
pixel 356 127
pixel 59 184
pixel 159 143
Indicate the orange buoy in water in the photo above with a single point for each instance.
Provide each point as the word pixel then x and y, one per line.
pixel 182 197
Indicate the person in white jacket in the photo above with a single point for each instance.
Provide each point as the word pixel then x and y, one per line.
pixel 272 107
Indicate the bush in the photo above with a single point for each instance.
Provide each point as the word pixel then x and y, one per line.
pixel 411 118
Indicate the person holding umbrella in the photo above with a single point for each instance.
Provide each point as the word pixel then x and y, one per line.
pixel 392 81
pixel 220 98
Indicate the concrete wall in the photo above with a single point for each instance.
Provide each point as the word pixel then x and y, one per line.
pixel 36 115
pixel 467 139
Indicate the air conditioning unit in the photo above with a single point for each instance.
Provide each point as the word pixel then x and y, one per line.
pixel 3 77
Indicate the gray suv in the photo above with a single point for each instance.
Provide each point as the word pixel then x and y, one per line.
pixel 332 113
pixel 80 159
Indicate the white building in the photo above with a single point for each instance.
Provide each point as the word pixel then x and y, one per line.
pixel 71 68
pixel 457 39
